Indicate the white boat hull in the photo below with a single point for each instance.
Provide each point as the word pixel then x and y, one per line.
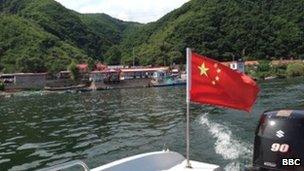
pixel 156 161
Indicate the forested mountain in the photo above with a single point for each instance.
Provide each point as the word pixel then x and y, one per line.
pixel 115 31
pixel 42 35
pixel 26 47
pixel 47 35
pixel 104 25
pixel 252 29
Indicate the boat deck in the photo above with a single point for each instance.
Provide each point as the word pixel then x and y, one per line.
pixel 156 161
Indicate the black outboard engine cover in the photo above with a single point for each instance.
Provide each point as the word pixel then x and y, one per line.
pixel 279 141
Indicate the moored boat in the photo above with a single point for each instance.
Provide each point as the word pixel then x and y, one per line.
pixel 162 79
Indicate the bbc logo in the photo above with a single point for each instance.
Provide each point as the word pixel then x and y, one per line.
pixel 291 162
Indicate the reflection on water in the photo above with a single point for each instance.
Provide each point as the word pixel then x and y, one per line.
pixel 39 130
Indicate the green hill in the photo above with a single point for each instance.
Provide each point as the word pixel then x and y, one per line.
pixel 107 26
pixel 115 30
pixel 68 35
pixel 252 29
pixel 42 35
pixel 26 47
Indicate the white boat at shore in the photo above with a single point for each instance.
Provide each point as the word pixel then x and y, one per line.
pixel 163 79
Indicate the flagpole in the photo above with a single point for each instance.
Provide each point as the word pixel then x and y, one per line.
pixel 188 51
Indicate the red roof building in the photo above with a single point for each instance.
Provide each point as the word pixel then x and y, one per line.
pixel 131 73
pixel 100 67
pixel 83 67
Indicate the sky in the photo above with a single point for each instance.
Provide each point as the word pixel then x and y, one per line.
pixel 142 11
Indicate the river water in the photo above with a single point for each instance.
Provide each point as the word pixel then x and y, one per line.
pixel 39 130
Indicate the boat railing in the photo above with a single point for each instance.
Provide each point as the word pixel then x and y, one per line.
pixel 67 165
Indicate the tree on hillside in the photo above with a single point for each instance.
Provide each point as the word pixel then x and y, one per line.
pixel 30 64
pixel 2 86
pixel 113 56
pixel 74 71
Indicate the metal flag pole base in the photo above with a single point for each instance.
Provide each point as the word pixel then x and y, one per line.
pixel 188 165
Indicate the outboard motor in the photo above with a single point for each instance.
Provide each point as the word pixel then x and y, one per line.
pixel 279 141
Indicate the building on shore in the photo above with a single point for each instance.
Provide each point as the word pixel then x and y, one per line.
pixel 100 67
pixel 64 75
pixel 236 65
pixel 24 80
pixel 116 66
pixel 137 73
pixel 240 65
pixel 106 76
pixel 83 68
pixel 126 77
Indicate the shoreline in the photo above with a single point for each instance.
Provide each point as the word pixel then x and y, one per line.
pixel 8 94
pixel 11 92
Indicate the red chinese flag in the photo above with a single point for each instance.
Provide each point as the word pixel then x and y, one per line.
pixel 216 84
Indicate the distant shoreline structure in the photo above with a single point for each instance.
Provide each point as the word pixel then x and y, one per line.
pixel 105 77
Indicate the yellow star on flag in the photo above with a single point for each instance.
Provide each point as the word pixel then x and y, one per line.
pixel 203 69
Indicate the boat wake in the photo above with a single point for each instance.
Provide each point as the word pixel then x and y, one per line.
pixel 226 145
